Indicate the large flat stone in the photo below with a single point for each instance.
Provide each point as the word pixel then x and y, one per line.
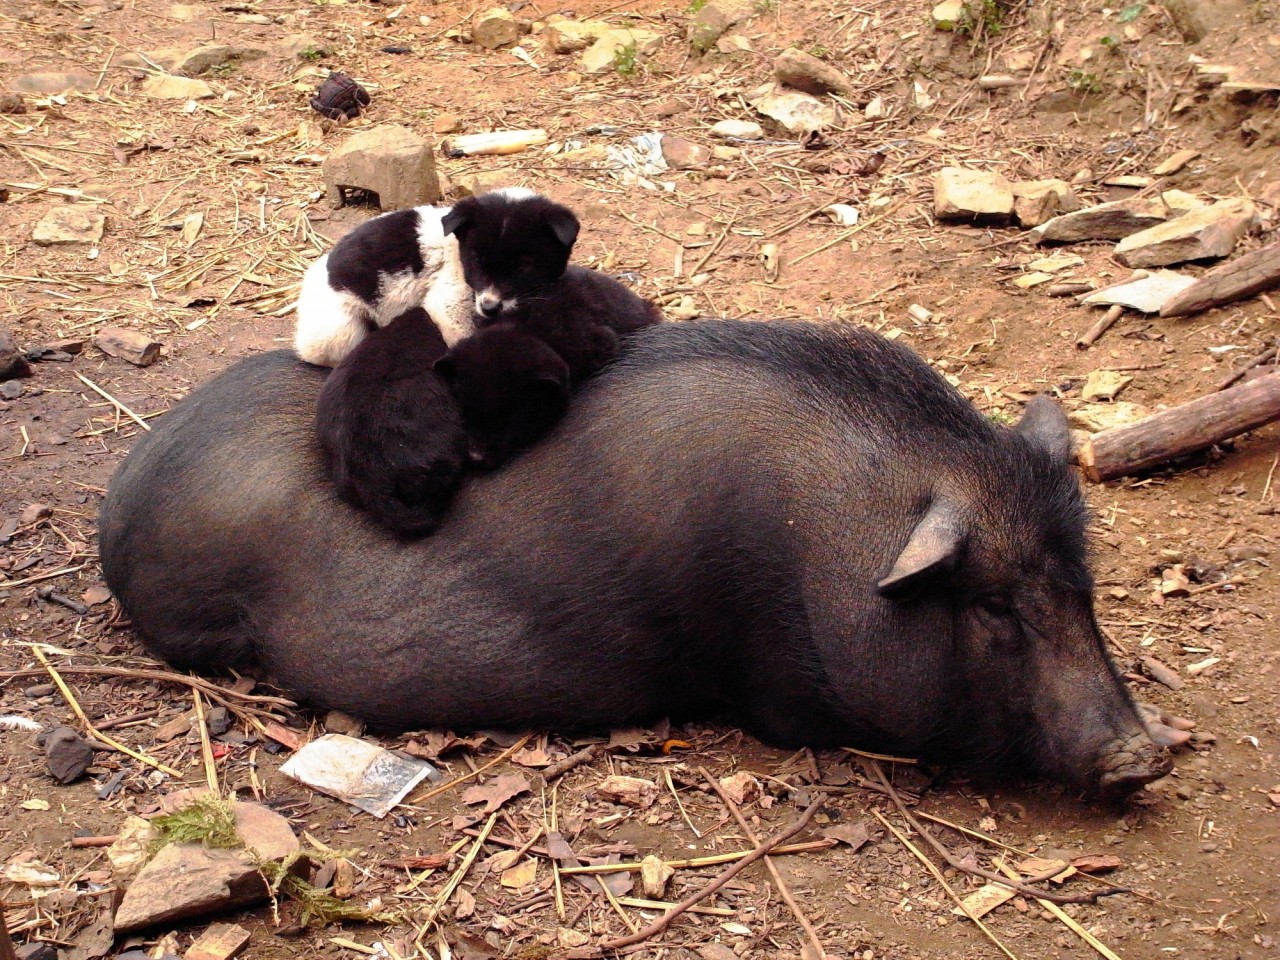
pixel 803 71
pixel 50 82
pixel 1114 221
pixel 188 880
pixel 197 61
pixel 69 224
pixel 797 112
pixel 1201 235
pixel 165 87
pixel 715 18
pixel 963 194
pixel 389 160
pixel 1039 201
pixel 603 55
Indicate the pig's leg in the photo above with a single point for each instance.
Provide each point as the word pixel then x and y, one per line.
pixel 1164 728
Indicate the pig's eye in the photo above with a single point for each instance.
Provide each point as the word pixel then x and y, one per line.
pixel 995 604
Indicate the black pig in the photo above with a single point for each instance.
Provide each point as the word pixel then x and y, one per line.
pixel 804 524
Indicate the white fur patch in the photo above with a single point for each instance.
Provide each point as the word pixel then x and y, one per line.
pixel 331 322
pixel 488 298
pixel 515 193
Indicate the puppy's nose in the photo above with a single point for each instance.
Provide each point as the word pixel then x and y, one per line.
pixel 489 304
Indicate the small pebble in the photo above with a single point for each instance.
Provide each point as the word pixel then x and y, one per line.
pixel 39 690
pixel 1185 791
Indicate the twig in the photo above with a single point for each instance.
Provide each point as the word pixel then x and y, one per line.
pixel 561 767
pixel 210 690
pixel 36 579
pixel 92 730
pixel 206 748
pixel 781 885
pixel 1058 912
pixel 474 773
pixel 666 771
pixel 725 876
pixel 114 402
pixel 1024 888
pixel 714 247
pixel 845 235
pixel 713 860
pixel 458 874
pixel 1257 361
pixel 1090 336
pixel 937 875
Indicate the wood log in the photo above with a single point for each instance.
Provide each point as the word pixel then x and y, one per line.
pixel 7 950
pixel 137 348
pixel 1180 430
pixel 1233 280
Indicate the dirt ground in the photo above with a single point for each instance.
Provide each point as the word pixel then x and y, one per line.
pixel 213 208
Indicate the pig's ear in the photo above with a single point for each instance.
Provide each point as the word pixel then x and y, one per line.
pixel 1044 423
pixel 934 549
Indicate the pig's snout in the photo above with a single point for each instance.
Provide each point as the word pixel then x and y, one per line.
pixel 1128 763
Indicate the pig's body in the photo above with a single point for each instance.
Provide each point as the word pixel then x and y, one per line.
pixel 804 525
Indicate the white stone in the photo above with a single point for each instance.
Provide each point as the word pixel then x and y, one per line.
pixel 738 130
pixel 1202 234
pixel 612 45
pixel 798 113
pixel 176 88
pixel 69 224
pixel 963 194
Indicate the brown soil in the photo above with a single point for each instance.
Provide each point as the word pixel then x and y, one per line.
pixel 1199 848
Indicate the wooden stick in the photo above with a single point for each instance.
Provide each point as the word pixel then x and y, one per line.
pixel 114 402
pixel 1180 430
pixel 106 840
pixel 1233 280
pixel 713 860
pixel 783 890
pixel 1257 361
pixel 561 767
pixel 725 876
pixel 211 690
pixel 1024 888
pixel 1090 336
pixel 7 951
pixel 937 875
pixel 206 748
pixel 1058 912
pixel 36 579
pixel 89 727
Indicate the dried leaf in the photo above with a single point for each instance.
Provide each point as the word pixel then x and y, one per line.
pixel 521 875
pixel 559 849
pixel 96 595
pixel 856 835
pixel 191 225
pixel 985 899
pixel 496 792
pixel 532 758
pixel 466 904
pixel 1097 863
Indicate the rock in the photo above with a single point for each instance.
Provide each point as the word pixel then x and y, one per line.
pixel 738 130
pixel 131 345
pixel 798 113
pixel 12 102
pixel 682 154
pixel 69 224
pixel 1096 417
pixel 38 690
pixel 716 951
pixel 603 55
pixel 714 19
pixel 52 82
pixel 13 362
pixel 875 109
pixel 1105 221
pixel 805 72
pixel 67 754
pixel 36 951
pixel 335 721
pixel 218 720
pixel 963 194
pixel 446 123
pixel 654 874
pixel 1147 294
pixel 725 153
pixel 166 87
pixel 1196 19
pixel 390 161
pixel 10 390
pixel 1175 162
pixel 187 880
pixel 212 55
pixel 1038 201
pixel 1247 551
pixel 297 46
pixel 949 14
pixel 1203 234
pixel 1103 385
pixel 131 848
pixel 186 12
pixel 221 941
pixel 741 788
pixel 628 791
pixel 568 36
pixel 495 28
pixel 480 181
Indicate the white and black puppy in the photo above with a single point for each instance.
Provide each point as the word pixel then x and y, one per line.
pixel 385 266
pixel 514 246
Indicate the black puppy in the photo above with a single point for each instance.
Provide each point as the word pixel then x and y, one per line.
pixel 512 389
pixel 391 428
pixel 514 245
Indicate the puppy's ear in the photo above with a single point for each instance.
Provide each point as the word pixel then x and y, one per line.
pixel 563 224
pixel 459 217
pixel 447 367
